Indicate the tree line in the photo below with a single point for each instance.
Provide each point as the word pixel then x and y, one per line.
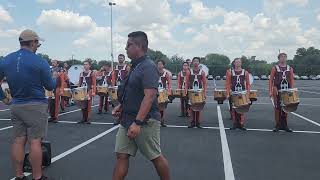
pixel 305 62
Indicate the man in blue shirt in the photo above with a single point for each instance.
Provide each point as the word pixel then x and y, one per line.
pixel 27 75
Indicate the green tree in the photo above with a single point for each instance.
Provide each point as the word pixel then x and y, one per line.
pixel 45 57
pixel 174 64
pixel 217 64
pixel 307 61
pixel 156 55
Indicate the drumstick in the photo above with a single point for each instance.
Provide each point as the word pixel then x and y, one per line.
pixel 272 101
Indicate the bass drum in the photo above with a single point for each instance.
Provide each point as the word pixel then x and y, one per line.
pixel 74 74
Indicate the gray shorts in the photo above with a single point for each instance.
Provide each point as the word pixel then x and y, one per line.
pixel 148 141
pixel 29 120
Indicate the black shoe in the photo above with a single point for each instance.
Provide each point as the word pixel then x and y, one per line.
pixel 100 112
pixel 21 178
pixel 191 126
pixel 163 125
pixel 80 122
pixel 106 112
pixel 276 130
pixel 233 128
pixel 198 126
pixel 288 130
pixel 116 123
pixel 62 111
pixel 42 178
pixel 87 122
pixel 243 128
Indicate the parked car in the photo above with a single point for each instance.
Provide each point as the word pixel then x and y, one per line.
pixel 304 77
pixel 296 77
pixel 210 77
pixel 174 77
pixel 256 78
pixel 224 77
pixel 264 77
pixel 318 77
pixel 218 78
pixel 269 77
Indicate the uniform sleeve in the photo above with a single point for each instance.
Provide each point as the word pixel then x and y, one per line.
pixel 150 77
pixel 292 78
pixel 94 82
pixel 228 82
pixel 179 80
pixel 271 80
pixel 47 81
pixel 186 86
pixel 204 81
pixel 169 82
pixel 113 78
pixel 80 80
pixel 248 86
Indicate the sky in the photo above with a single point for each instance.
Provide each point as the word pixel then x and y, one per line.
pixel 186 28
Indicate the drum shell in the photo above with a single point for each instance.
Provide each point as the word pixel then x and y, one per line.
pixel 79 94
pixel 220 95
pixel 102 90
pixel 253 95
pixel 163 97
pixel 196 97
pixel 289 97
pixel 67 92
pixel 240 100
pixel 113 93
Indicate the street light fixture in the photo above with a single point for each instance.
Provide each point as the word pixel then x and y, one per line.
pixel 111 32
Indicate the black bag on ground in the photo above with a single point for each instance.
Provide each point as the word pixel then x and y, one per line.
pixel 46 157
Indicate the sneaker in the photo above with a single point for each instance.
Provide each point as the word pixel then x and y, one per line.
pixel 100 112
pixel 276 130
pixel 51 119
pixel 87 122
pixel 243 128
pixel 42 178
pixel 288 130
pixel 163 125
pixel 80 122
pixel 21 178
pixel 198 126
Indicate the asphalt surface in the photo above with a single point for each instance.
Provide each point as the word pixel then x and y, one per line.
pixel 82 152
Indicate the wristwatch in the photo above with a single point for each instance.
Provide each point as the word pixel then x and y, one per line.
pixel 139 123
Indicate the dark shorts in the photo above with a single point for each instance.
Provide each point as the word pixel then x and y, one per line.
pixel 29 120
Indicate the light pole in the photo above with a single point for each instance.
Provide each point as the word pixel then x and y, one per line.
pixel 112 58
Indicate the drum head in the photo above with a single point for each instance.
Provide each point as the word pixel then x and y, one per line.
pixel 290 108
pixel 74 73
pixel 242 109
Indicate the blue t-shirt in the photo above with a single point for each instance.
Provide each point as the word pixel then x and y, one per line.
pixel 27 75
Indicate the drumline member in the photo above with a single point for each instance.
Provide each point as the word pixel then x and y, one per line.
pixel 106 79
pixel 237 80
pixel 87 78
pixel 189 62
pixel 164 83
pixel 64 84
pixel 54 102
pixel 120 72
pixel 183 83
pixel 197 80
pixel 281 77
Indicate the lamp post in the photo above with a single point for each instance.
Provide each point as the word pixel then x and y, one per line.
pixel 112 57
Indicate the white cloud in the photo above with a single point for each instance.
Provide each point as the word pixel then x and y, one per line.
pixel 58 20
pixel 5 16
pixel 11 33
pixel 274 6
pixel 45 1
pixel 318 17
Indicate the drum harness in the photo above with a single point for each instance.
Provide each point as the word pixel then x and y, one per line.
pixel 284 85
pixel 196 81
pixel 160 86
pixel 238 86
pixel 119 79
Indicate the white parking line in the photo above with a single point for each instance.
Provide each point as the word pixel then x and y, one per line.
pixel 311 92
pixel 3 110
pixel 68 152
pixel 304 118
pixel 228 169
pixel 5 128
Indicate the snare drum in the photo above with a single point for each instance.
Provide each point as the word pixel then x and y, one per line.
pixel 196 99
pixel 67 92
pixel 240 102
pixel 289 99
pixel 253 95
pixel 113 93
pixel 49 94
pixel 178 93
pixel 7 95
pixel 220 95
pixel 102 90
pixel 163 99
pixel 79 94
